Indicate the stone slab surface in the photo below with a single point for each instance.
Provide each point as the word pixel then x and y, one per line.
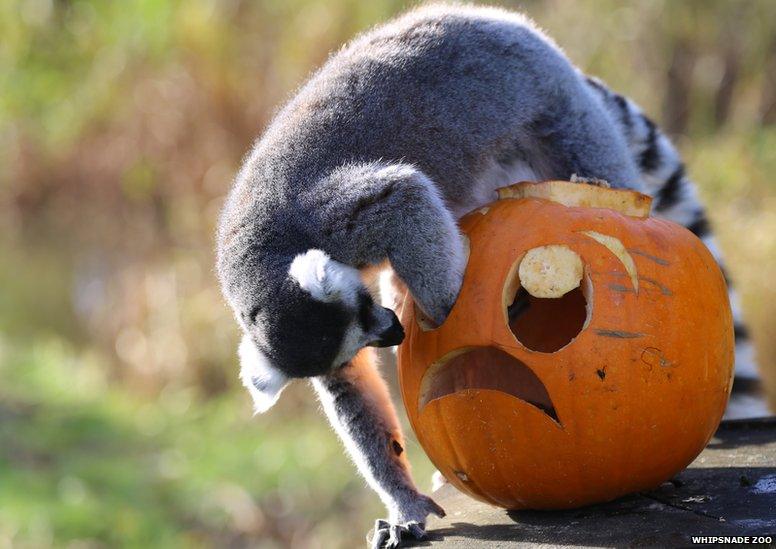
pixel 729 490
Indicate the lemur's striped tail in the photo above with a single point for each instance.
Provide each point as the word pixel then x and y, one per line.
pixel 675 198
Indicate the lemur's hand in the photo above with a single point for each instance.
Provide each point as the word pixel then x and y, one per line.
pixel 390 536
pixel 411 523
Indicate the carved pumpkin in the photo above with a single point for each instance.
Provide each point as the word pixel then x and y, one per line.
pixel 589 353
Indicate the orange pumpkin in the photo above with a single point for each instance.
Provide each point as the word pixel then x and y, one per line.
pixel 589 353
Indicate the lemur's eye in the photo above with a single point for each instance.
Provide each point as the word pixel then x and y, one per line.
pixel 252 314
pixel 365 305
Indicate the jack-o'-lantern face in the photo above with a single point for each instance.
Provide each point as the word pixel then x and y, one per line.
pixel 589 353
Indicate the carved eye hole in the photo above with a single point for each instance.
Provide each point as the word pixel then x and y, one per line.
pixel 547 298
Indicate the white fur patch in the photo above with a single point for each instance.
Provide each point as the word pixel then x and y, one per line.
pixel 396 172
pixel 388 297
pixel 325 279
pixel 263 381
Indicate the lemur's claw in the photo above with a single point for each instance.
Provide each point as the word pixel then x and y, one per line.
pixel 416 530
pixel 389 536
pixel 434 507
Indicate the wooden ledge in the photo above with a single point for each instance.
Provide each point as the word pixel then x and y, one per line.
pixel 729 490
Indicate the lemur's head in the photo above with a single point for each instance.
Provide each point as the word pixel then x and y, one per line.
pixel 312 320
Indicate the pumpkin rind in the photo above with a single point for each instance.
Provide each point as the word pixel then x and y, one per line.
pixel 638 392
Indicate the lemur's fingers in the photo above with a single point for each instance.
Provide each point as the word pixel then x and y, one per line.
pixel 380 536
pixel 390 535
pixel 433 507
pixel 416 529
pixel 394 540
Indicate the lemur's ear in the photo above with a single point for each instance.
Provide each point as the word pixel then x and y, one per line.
pixel 263 380
pixel 325 279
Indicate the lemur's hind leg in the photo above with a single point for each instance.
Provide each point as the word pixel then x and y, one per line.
pixel 356 401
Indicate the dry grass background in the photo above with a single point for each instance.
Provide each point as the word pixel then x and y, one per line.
pixel 121 125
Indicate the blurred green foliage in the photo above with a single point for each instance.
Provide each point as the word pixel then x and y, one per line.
pixel 84 460
pixel 121 125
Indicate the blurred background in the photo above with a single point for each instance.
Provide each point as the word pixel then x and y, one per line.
pixel 121 125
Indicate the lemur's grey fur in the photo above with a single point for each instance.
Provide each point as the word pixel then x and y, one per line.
pixel 410 126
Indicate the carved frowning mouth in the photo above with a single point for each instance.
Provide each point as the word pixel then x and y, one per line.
pixel 485 368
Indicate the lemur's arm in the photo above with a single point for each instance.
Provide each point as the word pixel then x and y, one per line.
pixel 373 211
pixel 356 401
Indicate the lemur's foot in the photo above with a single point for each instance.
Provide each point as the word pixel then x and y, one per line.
pixel 389 535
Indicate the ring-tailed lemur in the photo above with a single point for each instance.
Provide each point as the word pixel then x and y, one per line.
pixel 406 129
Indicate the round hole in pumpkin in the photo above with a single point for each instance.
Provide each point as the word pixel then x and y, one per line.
pixel 546 312
pixel 484 368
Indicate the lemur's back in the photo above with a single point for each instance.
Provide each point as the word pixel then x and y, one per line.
pixel 471 98
pixel 448 90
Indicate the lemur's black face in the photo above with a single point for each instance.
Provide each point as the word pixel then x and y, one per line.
pixel 306 337
pixel 318 318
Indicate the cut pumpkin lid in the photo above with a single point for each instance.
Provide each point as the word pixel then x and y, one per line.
pixel 625 201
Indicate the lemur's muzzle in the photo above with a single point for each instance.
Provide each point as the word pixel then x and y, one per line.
pixel 393 335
